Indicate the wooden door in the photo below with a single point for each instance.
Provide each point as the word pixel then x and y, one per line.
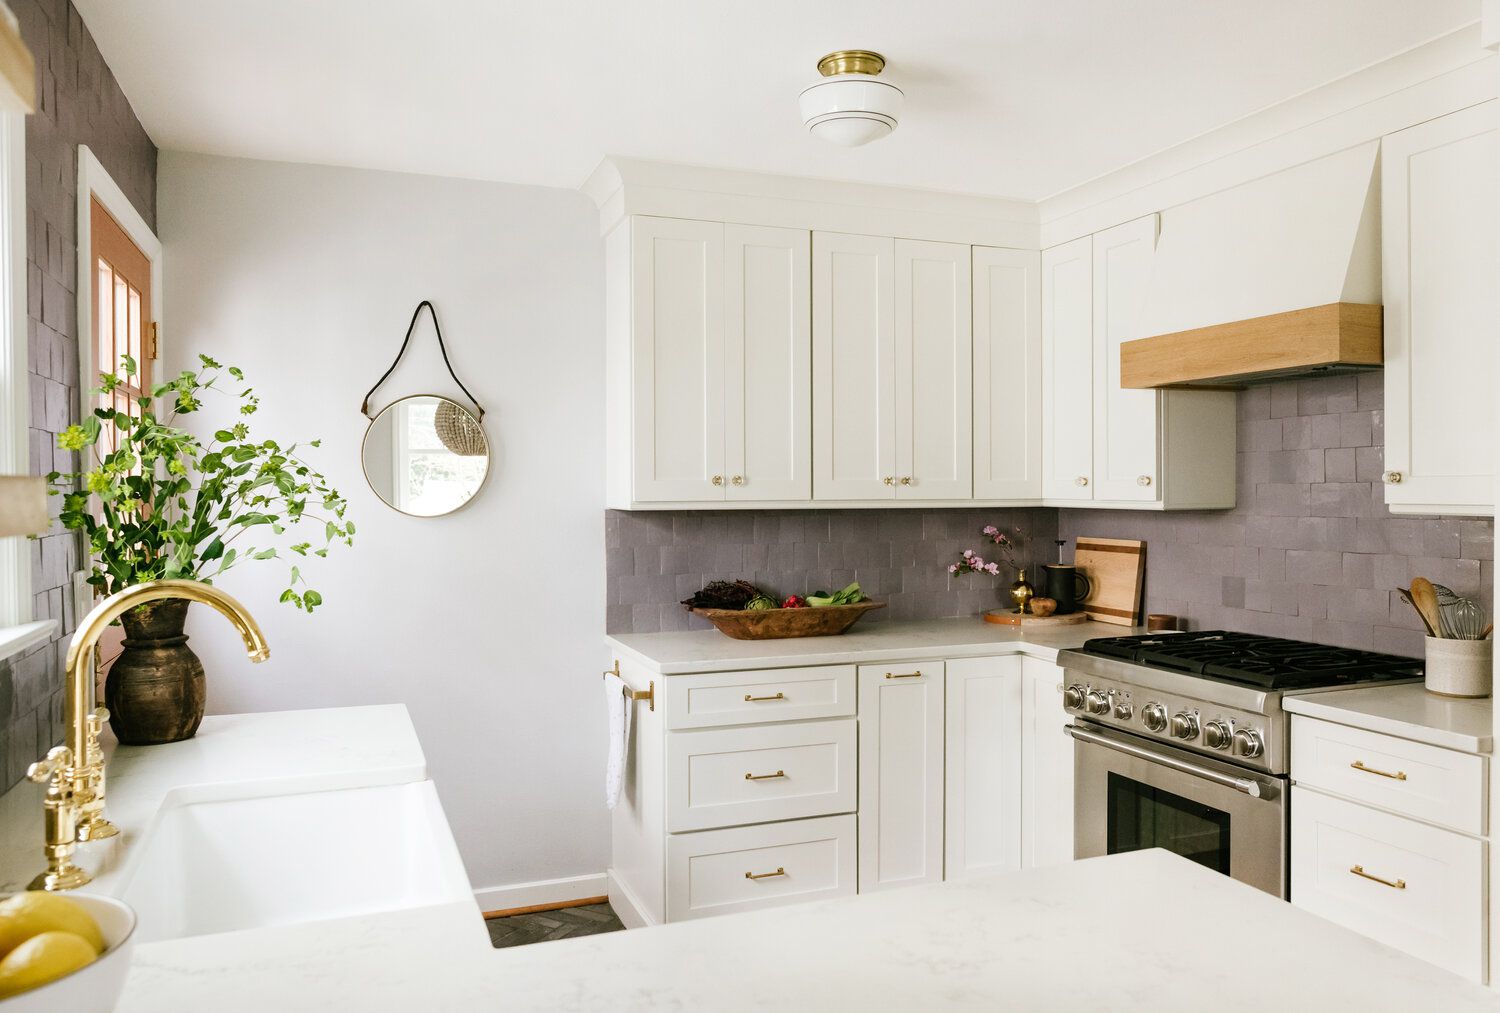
pixel 768 363
pixel 1068 371
pixel 900 775
pixel 854 362
pixel 122 323
pixel 982 817
pixel 1441 261
pixel 1125 421
pixel 1046 767
pixel 1007 374
pixel 934 377
pixel 677 282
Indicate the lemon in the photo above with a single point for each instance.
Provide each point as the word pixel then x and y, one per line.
pixel 44 958
pixel 29 914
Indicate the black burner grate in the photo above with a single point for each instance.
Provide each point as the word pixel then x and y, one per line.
pixel 1266 662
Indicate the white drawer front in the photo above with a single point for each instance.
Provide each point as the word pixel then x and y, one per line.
pixel 1438 785
pixel 724 777
pixel 720 871
pixel 742 698
pixel 1432 901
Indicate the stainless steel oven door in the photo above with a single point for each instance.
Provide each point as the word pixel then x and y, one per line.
pixel 1132 793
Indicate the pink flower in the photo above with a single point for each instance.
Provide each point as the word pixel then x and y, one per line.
pixel 977 563
pixel 991 530
pixel 994 569
pixel 952 567
pixel 968 553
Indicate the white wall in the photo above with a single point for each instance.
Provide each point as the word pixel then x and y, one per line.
pixel 487 623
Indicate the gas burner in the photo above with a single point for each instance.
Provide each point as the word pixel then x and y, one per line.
pixel 1268 663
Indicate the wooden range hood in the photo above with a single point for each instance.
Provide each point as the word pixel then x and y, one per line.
pixel 1338 337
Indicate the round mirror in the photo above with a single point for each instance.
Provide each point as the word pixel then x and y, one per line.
pixel 425 455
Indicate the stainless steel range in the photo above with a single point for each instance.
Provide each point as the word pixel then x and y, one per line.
pixel 1181 742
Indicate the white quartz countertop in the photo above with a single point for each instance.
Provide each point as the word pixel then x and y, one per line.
pixel 233 756
pixel 1101 934
pixel 1407 711
pixel 916 640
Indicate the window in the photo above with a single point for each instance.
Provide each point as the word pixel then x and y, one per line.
pixel 429 476
pixel 121 310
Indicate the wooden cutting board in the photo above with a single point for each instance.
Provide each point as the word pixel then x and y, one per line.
pixel 1116 569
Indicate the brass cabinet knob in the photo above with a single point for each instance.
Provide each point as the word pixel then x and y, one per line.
pixel 1392 478
pixel 889 480
pixel 737 480
pixel 906 480
pixel 1081 481
pixel 717 480
pixel 1143 481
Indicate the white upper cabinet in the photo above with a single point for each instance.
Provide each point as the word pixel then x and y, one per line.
pixel 768 364
pixel 1125 422
pixel 1007 374
pixel 934 383
pixel 1442 260
pixel 1068 371
pixel 716 360
pixel 854 363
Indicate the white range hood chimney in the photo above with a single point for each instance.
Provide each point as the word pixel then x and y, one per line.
pixel 1278 277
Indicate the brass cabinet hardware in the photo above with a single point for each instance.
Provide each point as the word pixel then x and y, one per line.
pixel 906 480
pixel 1143 481
pixel 763 699
pixel 1399 775
pixel 1359 870
pixel 889 480
pixel 1391 478
pixel 717 480
pixel 780 871
pixel 737 480
pixel 904 675
pixel 1081 481
pixel 648 694
pixel 765 777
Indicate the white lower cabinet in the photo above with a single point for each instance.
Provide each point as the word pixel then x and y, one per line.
pixel 1046 767
pixel 722 871
pixel 900 774
pixel 982 822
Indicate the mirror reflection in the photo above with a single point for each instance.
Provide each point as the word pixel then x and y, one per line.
pixel 426 455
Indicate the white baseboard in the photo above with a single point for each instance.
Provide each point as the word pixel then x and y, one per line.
pixel 542 891
pixel 629 909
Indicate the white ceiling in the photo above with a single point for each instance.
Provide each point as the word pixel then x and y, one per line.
pixel 1018 98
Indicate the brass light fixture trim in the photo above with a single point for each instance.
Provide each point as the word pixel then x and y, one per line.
pixel 851 61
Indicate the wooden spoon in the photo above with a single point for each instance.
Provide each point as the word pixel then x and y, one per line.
pixel 1424 600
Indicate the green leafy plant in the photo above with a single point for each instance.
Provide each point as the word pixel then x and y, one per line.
pixel 165 504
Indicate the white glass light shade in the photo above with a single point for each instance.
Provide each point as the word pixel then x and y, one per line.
pixel 851 109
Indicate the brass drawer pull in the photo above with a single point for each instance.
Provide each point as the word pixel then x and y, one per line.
pixel 762 699
pixel 903 675
pixel 1359 870
pixel 1399 775
pixel 765 777
pixel 766 875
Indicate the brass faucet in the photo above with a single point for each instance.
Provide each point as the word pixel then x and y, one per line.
pixel 74 771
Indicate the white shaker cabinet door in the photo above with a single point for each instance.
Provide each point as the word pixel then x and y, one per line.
pixel 1068 371
pixel 1125 421
pixel 983 781
pixel 1441 261
pixel 1007 374
pixel 900 775
pixel 677 317
pixel 1046 767
pixel 768 364
pixel 934 379
pixel 854 362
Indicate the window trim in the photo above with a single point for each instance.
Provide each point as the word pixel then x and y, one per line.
pixel 15 383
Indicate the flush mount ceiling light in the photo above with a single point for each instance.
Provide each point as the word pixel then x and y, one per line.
pixel 851 107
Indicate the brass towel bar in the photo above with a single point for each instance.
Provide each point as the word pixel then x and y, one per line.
pixel 648 694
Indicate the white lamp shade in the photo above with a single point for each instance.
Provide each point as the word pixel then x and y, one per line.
pixel 23 506
pixel 851 109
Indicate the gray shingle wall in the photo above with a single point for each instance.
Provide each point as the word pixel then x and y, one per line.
pixel 654 560
pixel 1311 551
pixel 78 102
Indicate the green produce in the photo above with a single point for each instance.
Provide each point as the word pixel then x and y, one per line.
pixel 760 603
pixel 848 596
pixel 721 594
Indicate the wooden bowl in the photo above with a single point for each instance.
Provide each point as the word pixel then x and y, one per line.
pixel 780 624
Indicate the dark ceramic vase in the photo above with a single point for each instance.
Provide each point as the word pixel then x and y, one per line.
pixel 155 689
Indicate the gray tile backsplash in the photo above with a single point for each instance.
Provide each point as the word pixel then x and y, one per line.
pixel 654 560
pixel 1310 551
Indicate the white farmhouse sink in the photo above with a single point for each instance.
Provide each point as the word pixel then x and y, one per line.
pixel 221 866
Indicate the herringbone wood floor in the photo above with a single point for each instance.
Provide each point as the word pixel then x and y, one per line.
pixel 518 930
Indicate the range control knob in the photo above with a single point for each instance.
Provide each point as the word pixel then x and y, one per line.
pixel 1247 742
pixel 1216 735
pixel 1155 717
pixel 1123 710
pixel 1098 703
pixel 1073 698
pixel 1185 725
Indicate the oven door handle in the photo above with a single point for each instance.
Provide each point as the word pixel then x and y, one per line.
pixel 1241 784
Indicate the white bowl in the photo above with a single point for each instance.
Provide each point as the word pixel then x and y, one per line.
pixel 92 989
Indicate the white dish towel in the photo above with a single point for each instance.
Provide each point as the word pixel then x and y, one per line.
pixel 619 708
